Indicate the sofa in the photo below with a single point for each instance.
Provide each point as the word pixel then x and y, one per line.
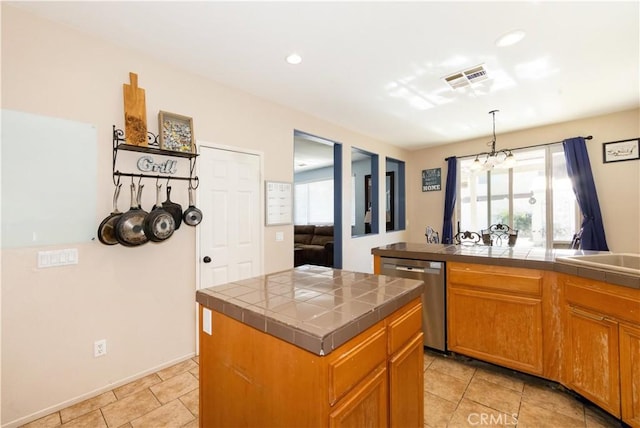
pixel 313 245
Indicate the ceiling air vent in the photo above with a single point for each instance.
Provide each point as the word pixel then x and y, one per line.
pixel 467 77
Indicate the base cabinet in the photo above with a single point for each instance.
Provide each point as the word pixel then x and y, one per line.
pixel 406 380
pixel 630 373
pixel 250 378
pixel 601 345
pixel 495 314
pixel 591 345
pixel 365 406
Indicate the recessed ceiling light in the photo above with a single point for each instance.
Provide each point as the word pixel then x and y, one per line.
pixel 511 38
pixel 294 59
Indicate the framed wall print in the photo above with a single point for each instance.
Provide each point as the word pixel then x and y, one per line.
pixel 176 132
pixel 623 150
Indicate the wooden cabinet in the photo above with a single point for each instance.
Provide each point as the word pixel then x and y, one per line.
pixel 406 362
pixel 250 378
pixel 365 406
pixel 406 385
pixel 591 345
pixel 601 345
pixel 630 373
pixel 496 314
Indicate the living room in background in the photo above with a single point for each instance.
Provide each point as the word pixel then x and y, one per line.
pixel 316 201
pixel 535 197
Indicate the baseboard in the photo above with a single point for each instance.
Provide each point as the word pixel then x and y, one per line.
pixel 63 405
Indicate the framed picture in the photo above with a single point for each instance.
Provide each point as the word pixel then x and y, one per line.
pixel 623 150
pixel 176 132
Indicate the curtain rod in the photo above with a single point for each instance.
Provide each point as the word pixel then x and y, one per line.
pixel 520 148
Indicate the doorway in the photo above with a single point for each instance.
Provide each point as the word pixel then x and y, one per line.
pixel 318 187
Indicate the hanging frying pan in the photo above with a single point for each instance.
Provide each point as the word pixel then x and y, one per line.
pixel 173 208
pixel 192 215
pixel 159 223
pixel 130 226
pixel 106 230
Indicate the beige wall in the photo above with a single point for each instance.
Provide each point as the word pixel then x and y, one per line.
pixel 617 184
pixel 142 305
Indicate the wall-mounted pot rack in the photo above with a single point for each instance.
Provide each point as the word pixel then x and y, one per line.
pixel 119 143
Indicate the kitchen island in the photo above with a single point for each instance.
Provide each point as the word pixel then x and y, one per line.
pixel 311 346
pixel 523 309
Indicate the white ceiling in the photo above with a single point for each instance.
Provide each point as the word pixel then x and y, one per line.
pixel 378 67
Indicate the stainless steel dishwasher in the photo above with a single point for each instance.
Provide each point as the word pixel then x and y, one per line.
pixel 434 324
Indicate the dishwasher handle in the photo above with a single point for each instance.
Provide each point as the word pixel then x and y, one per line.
pixel 410 269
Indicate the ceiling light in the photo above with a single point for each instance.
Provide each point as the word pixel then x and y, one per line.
pixel 294 59
pixel 511 38
pixel 500 159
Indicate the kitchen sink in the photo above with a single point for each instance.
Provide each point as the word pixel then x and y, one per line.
pixel 623 263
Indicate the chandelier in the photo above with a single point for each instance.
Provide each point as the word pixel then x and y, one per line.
pixel 495 158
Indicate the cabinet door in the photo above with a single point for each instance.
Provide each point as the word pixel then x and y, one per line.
pixel 630 374
pixel 495 327
pixel 592 358
pixel 406 385
pixel 366 404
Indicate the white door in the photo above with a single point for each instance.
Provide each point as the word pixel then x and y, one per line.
pixel 230 238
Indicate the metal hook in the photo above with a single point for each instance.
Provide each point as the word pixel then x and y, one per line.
pixel 139 180
pixel 168 179
pixel 197 180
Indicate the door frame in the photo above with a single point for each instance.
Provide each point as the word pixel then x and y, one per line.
pixel 242 150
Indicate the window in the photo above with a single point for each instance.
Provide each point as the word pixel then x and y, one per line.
pixel 535 197
pixel 314 202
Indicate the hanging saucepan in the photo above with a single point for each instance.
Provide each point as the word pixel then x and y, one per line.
pixel 159 223
pixel 130 226
pixel 192 215
pixel 173 208
pixel 106 230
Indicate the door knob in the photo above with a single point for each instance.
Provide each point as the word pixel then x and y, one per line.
pixel 206 259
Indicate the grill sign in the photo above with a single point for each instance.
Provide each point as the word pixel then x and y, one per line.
pixel 431 180
pixel 147 164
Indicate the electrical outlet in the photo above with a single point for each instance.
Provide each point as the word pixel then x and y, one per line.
pixel 99 348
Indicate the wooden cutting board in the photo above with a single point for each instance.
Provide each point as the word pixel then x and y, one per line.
pixel 135 113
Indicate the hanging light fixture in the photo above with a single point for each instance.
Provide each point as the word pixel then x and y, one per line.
pixel 495 158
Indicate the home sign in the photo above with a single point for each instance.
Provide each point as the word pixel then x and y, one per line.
pixel 147 164
pixel 431 179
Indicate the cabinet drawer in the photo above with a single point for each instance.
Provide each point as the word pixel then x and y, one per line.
pixel 355 363
pixel 606 299
pixel 496 278
pixel 404 325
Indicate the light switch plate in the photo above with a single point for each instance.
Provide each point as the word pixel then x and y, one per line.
pixel 47 259
pixel 279 236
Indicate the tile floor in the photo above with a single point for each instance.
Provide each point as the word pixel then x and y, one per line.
pixel 458 392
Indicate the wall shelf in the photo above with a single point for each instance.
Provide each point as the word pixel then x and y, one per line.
pixel 154 149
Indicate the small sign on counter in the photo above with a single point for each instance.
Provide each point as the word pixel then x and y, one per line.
pixel 431 179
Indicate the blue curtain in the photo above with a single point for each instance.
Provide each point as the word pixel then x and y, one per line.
pixel 449 200
pixel 579 171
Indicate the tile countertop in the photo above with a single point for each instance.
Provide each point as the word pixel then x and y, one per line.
pixel 315 308
pixel 532 258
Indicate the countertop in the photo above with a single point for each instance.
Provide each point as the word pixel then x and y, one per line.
pixel 532 258
pixel 315 308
